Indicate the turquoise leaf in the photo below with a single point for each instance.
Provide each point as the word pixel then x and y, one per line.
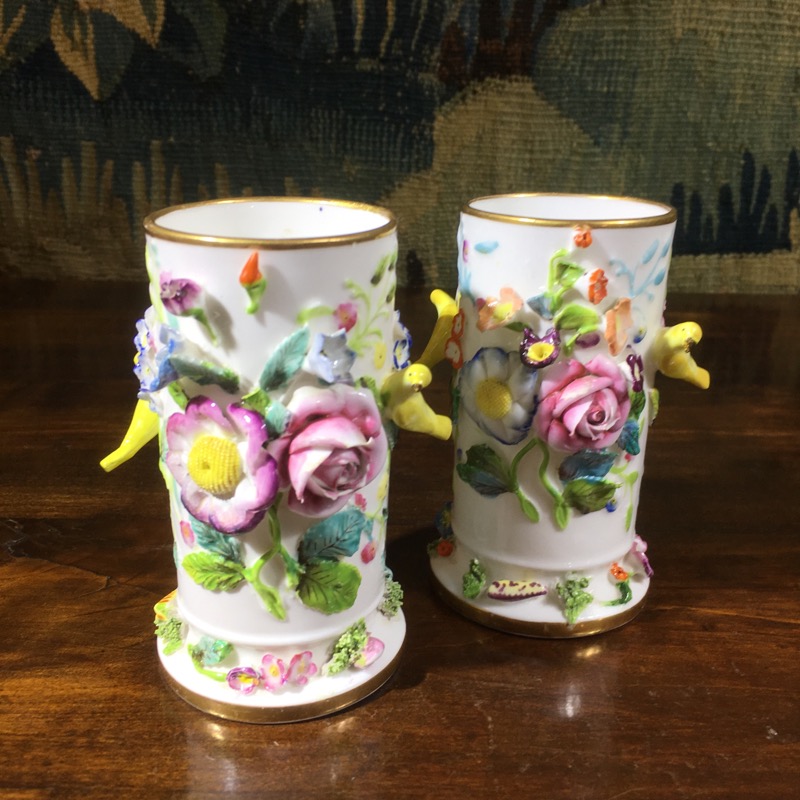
pixel 629 438
pixel 586 464
pixel 285 361
pixel 335 537
pixel 485 471
pixel 214 541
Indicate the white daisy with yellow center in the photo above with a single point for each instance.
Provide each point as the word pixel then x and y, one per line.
pixel 498 392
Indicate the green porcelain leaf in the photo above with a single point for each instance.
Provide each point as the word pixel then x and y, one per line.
pixel 216 542
pixel 637 404
pixel 206 374
pixel 587 495
pixel 568 273
pixel 276 418
pixel 335 537
pixel 485 471
pixel 575 317
pixel 213 571
pixel 285 361
pixel 586 464
pixel 329 586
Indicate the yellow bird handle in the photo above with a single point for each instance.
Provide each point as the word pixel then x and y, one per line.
pixel 672 354
pixel 143 427
pixel 446 309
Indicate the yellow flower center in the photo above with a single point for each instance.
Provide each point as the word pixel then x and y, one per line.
pixel 502 311
pixel 539 351
pixel 493 398
pixel 215 465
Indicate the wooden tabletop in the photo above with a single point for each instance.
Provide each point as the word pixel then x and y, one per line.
pixel 696 698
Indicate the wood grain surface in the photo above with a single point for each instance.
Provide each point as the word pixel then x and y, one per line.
pixel 696 698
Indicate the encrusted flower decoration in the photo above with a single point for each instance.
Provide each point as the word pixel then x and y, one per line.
pixel 498 392
pixel 331 359
pixel 453 351
pixel 227 478
pixel 537 352
pixel 582 236
pixel 598 286
pixel 184 298
pixel 401 352
pixel 252 280
pixel 155 343
pixel 619 321
pixel 333 446
pixel 494 312
pixel 583 407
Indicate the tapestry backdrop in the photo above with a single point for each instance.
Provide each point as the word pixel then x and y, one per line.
pixel 112 108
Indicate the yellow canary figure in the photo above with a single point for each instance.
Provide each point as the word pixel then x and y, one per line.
pixel 143 427
pixel 405 405
pixel 672 354
pixel 446 309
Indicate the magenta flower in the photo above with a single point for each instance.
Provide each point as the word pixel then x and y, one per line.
pixel 582 407
pixel 227 478
pixel 273 672
pixel 243 679
pixel 184 298
pixel 639 552
pixel 346 315
pixel 180 295
pixel 301 668
pixel 333 446
pixel 371 653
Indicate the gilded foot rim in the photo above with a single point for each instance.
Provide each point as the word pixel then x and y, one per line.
pixel 279 714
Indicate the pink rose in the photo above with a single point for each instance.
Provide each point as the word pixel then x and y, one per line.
pixel 582 407
pixel 333 446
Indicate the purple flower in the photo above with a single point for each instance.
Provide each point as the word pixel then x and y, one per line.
pixel 180 295
pixel 243 679
pixel 227 478
pixel 183 298
pixel 636 365
pixel 333 446
pixel 538 352
pixel 639 551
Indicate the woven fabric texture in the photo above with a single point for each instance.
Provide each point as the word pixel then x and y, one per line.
pixel 109 110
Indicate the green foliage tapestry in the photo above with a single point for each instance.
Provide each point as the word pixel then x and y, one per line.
pixel 112 108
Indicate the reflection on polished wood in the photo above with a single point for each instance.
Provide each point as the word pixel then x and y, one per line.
pixel 695 698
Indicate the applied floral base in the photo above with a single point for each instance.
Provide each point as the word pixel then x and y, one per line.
pixel 286 684
pixel 538 603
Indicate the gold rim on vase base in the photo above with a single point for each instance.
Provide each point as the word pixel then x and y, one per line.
pixel 262 715
pixel 532 628
pixel 669 215
pixel 158 231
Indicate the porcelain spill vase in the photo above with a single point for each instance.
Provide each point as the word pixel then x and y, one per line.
pixel 555 342
pixel 262 364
